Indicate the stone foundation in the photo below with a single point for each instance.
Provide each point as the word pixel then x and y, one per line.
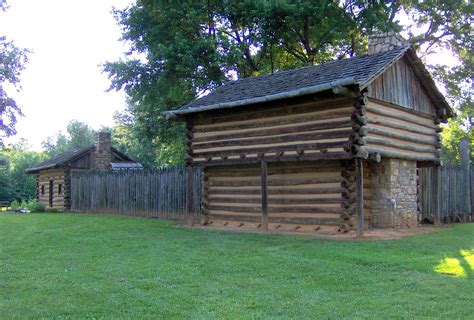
pixel 394 194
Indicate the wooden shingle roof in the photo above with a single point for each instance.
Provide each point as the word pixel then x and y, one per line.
pixel 65 158
pixel 359 71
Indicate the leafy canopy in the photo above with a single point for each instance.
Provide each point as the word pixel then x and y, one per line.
pixel 12 63
pixel 183 49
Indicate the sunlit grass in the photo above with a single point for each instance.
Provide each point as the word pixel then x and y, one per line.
pixel 92 266
pixel 452 267
pixel 458 267
pixel 468 256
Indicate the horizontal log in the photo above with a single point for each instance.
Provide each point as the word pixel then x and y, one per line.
pixel 276 110
pixel 271 191
pixel 394 125
pixel 277 200
pixel 275 131
pixel 271 209
pixel 342 133
pixel 271 149
pixel 401 136
pixel 393 114
pixel 285 158
pixel 274 182
pixel 271 171
pixel 401 146
pixel 402 155
pixel 290 220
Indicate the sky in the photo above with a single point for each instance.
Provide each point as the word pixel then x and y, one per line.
pixel 63 79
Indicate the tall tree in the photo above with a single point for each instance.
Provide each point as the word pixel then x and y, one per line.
pixel 78 135
pixel 12 63
pixel 187 48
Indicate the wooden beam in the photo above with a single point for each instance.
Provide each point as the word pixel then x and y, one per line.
pixel 275 109
pixel 360 197
pixel 206 141
pixel 275 182
pixel 395 115
pixel 296 158
pixel 402 146
pixel 401 136
pixel 298 123
pixel 273 149
pixel 293 220
pixel 276 200
pixel 264 186
pixel 394 125
pixel 271 191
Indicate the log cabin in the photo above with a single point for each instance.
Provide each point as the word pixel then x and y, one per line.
pixel 337 144
pixel 53 176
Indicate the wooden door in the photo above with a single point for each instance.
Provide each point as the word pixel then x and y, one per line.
pixel 51 192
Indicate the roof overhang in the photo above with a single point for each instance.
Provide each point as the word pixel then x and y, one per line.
pixel 335 85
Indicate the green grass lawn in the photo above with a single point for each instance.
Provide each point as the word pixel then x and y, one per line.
pixel 66 265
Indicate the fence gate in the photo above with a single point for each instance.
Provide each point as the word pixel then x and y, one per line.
pixel 157 193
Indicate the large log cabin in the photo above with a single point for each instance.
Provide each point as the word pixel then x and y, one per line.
pixel 336 144
pixel 53 176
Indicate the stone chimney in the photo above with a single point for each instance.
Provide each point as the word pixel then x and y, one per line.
pixel 103 151
pixel 385 41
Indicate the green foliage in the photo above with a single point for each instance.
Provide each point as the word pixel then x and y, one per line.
pixel 12 63
pixel 14 181
pixel 78 135
pixel 39 207
pixel 15 205
pixel 112 266
pixel 184 49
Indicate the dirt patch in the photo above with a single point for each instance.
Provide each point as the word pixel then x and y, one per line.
pixel 323 232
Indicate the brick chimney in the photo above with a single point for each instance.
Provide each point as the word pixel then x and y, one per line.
pixel 103 151
pixel 385 41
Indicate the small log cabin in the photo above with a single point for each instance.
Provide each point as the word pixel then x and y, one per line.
pixel 53 176
pixel 336 144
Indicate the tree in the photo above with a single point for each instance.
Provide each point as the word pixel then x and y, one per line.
pixel 12 63
pixel 78 135
pixel 188 48
pixel 14 181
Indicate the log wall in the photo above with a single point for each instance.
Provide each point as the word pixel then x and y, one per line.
pixel 298 193
pixel 395 132
pixel 307 131
pixel 399 85
pixel 58 178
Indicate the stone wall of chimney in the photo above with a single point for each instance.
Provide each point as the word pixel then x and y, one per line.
pixel 385 42
pixel 103 151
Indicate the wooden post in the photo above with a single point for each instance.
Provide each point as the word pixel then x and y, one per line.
pixel 360 197
pixel 464 153
pixel 189 195
pixel 263 174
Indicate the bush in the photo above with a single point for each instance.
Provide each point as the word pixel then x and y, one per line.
pixel 40 207
pixel 15 205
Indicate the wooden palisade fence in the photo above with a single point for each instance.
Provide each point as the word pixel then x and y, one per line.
pixel 157 193
pixel 445 193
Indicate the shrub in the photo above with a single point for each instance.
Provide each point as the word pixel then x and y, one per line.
pixel 40 207
pixel 15 205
